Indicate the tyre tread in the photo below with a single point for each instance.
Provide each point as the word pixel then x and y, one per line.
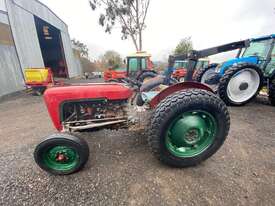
pixel 176 100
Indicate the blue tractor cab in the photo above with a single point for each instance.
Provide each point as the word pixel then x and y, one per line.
pixel 258 52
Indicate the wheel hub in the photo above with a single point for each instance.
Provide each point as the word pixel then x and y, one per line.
pixel 188 130
pixel 243 86
pixel 191 133
pixel 192 136
pixel 60 157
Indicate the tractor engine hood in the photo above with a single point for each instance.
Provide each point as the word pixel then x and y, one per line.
pixel 55 97
pixel 225 65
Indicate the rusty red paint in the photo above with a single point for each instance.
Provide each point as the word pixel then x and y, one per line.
pixel 54 97
pixel 61 158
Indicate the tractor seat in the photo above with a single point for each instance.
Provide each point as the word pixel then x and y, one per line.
pixel 150 89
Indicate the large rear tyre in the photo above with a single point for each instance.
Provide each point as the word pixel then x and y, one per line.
pixel 188 127
pixel 61 154
pixel 271 92
pixel 240 84
pixel 202 74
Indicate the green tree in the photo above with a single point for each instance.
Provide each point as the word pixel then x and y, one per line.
pixel 111 59
pixel 84 51
pixel 185 45
pixel 129 14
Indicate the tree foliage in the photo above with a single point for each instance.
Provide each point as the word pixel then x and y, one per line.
pixel 111 59
pixel 129 14
pixel 84 51
pixel 185 45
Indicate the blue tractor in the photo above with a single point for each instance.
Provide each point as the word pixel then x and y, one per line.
pixel 239 80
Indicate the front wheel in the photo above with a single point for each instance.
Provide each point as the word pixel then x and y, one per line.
pixel 202 74
pixel 188 127
pixel 240 84
pixel 61 154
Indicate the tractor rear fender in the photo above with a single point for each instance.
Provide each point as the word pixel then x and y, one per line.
pixel 177 87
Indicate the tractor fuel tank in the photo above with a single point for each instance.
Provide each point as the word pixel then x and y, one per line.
pixel 55 97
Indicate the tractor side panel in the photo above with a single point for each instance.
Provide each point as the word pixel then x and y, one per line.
pixel 55 97
pixel 177 87
pixel 226 65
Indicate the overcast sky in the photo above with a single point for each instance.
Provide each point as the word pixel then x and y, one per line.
pixel 208 22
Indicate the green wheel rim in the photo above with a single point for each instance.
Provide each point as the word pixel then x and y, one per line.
pixel 61 158
pixel 191 133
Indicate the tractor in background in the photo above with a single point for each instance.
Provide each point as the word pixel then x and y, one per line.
pixel 139 67
pixel 181 70
pixel 113 74
pixel 239 80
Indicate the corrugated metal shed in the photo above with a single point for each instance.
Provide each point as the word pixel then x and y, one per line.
pixel 25 36
pixel 4 17
pixel 73 69
pixel 2 5
pixel 22 49
pixel 11 79
pixel 21 14
pixel 42 11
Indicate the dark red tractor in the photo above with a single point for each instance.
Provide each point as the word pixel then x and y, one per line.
pixel 138 67
pixel 187 123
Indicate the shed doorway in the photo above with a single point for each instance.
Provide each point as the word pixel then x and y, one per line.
pixel 51 48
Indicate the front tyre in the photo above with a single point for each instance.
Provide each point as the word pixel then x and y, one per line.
pixel 188 127
pixel 61 154
pixel 240 84
pixel 202 74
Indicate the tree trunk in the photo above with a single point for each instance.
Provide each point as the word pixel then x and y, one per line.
pixel 135 42
pixel 138 24
pixel 140 40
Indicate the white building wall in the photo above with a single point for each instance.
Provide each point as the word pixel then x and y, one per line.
pixel 11 78
pixel 25 36
pixel 3 5
pixel 42 11
pixel 70 59
pixel 4 18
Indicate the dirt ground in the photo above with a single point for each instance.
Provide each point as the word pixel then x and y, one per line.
pixel 122 171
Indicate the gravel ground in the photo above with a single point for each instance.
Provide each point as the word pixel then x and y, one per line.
pixel 121 170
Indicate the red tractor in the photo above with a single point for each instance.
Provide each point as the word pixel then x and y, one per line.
pixel 139 67
pixel 187 123
pixel 114 74
pixel 181 70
